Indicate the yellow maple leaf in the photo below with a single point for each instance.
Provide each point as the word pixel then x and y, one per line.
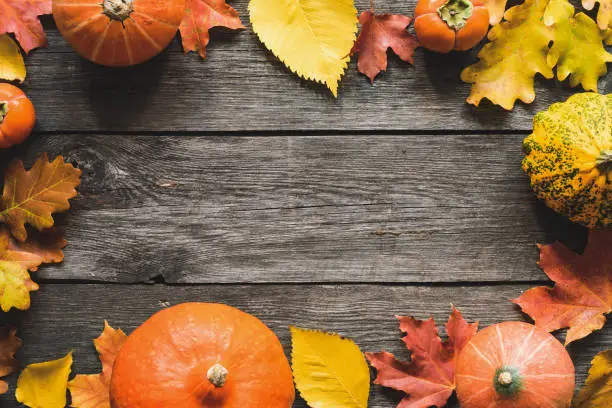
pixel 329 370
pixel 92 391
pixel 604 15
pixel 597 390
pixel 44 385
pixel 313 38
pixel 12 67
pixel 33 196
pixel 496 9
pixel 515 54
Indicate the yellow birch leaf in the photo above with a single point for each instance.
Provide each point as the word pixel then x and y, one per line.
pixel 515 54
pixel 44 385
pixel 597 390
pixel 12 67
pixel 496 9
pixel 604 15
pixel 313 38
pixel 329 370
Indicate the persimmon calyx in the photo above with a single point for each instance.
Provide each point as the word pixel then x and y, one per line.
pixel 217 375
pixel 3 110
pixel 118 10
pixel 456 13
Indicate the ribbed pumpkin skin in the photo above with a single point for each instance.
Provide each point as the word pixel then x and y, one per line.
pixel 145 33
pixel 545 367
pixel 164 362
pixel 562 158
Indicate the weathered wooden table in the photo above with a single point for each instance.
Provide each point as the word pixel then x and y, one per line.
pixel 230 180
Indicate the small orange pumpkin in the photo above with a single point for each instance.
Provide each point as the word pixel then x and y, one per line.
pixel 202 355
pixel 118 32
pixel 514 365
pixel 17 116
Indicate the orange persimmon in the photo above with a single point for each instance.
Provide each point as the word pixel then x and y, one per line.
pixel 446 25
pixel 118 32
pixel 17 116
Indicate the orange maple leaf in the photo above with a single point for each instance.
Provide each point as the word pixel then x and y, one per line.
pixel 429 378
pixel 92 391
pixel 21 18
pixel 379 33
pixel 583 291
pixel 33 196
pixel 9 344
pixel 200 17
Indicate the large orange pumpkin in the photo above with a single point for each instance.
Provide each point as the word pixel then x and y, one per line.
pixel 118 32
pixel 514 365
pixel 202 355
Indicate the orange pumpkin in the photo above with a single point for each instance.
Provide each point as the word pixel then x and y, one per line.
pixel 17 116
pixel 118 32
pixel 446 25
pixel 199 355
pixel 514 365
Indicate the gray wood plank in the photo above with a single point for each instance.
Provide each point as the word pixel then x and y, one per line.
pixel 65 317
pixel 301 209
pixel 243 87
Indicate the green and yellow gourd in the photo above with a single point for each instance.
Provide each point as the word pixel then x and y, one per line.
pixel 569 158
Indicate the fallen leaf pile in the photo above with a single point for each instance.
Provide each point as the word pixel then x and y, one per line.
pixel 9 344
pixel 43 385
pixel 329 370
pixel 379 33
pixel 597 390
pixel 583 291
pixel 519 49
pixel 92 391
pixel 429 378
pixel 200 17
pixel 31 197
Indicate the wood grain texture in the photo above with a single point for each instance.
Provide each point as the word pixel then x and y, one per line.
pixel 65 317
pixel 242 87
pixel 301 209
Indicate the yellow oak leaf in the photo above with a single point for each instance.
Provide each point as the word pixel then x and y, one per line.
pixel 12 67
pixel 515 54
pixel 33 196
pixel 329 370
pixel 496 9
pixel 313 38
pixel 92 391
pixel 9 344
pixel 17 258
pixel 604 15
pixel 44 385
pixel 597 390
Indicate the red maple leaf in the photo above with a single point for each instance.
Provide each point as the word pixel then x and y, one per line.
pixel 201 16
pixel 379 33
pixel 21 18
pixel 429 378
pixel 583 291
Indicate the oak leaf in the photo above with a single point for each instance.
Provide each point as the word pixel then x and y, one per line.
pixel 597 390
pixel 44 385
pixel 582 294
pixel 9 344
pixel 21 18
pixel 12 66
pixel 313 38
pixel 33 196
pixel 200 17
pixel 92 391
pixel 379 33
pixel 604 15
pixel 329 370
pixel 429 378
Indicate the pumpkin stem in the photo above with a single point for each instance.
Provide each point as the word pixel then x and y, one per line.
pixel 217 375
pixel 455 13
pixel 118 10
pixel 507 381
pixel 3 110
